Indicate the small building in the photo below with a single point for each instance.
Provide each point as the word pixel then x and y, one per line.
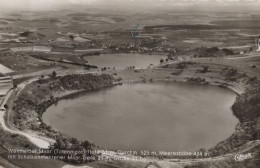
pixel 41 48
pixel 25 49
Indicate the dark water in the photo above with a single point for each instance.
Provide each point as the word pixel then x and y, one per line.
pixel 158 116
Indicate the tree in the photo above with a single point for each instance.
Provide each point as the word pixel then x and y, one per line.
pixel 181 65
pixel 6 106
pixel 204 152
pixel 59 144
pixel 104 69
pixel 54 74
pixel 161 61
pixel 74 141
pixel 205 69
pixel 86 145
pixel 255 136
pixel 170 56
pixel 71 37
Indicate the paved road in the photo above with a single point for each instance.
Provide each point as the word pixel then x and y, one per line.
pixel 41 142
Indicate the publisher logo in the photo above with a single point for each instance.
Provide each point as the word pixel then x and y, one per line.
pixel 240 157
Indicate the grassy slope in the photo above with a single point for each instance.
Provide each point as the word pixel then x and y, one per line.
pixel 13 141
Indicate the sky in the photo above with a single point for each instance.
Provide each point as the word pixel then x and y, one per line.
pixel 59 4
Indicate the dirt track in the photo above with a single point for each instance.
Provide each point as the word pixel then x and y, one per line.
pixel 246 56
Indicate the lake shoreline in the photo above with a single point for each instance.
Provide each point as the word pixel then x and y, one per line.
pixel 126 78
pixel 65 94
pixel 83 107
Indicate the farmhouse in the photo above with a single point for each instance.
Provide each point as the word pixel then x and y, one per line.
pixel 25 49
pixel 31 48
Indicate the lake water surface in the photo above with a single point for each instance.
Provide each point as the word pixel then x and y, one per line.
pixel 124 60
pixel 155 116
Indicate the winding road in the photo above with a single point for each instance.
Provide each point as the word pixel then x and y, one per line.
pixel 41 142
